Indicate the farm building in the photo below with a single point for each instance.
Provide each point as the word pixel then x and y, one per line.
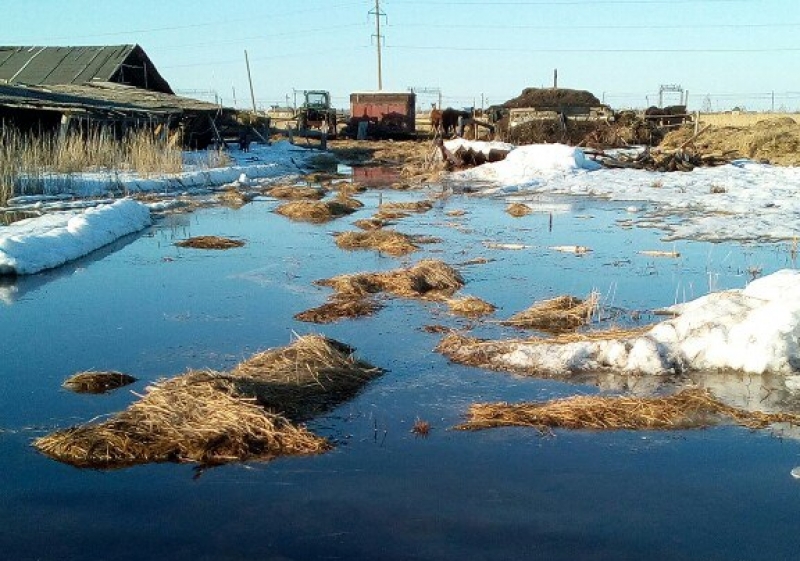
pixel 61 89
pixel 386 114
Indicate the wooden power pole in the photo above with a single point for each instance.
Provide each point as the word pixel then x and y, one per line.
pixel 378 39
pixel 250 79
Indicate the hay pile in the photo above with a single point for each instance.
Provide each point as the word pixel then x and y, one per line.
pixel 774 140
pixel 390 242
pixel 556 315
pixel 210 242
pixel 693 408
pixel 340 307
pixel 296 192
pixel 316 212
pixel 415 206
pixel 553 97
pixel 369 224
pixel 429 279
pixel 213 418
pixel 235 198
pixel 518 210
pixel 97 382
pixel 470 306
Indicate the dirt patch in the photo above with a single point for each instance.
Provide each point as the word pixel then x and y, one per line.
pixel 213 418
pixel 210 242
pixel 316 212
pixel 693 408
pixel 774 140
pixel 97 382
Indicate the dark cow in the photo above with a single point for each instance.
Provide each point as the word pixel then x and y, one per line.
pixel 450 118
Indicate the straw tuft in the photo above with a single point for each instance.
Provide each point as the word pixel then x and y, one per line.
pixel 415 206
pixel 692 408
pixel 315 212
pixel 518 210
pixel 342 307
pixel 92 381
pixel 556 315
pixel 210 242
pixel 470 306
pixel 296 192
pixel 390 242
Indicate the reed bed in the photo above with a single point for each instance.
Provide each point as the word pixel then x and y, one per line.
pixel 212 418
pixel 390 242
pixel 96 382
pixel 296 192
pixel 316 212
pixel 518 210
pixel 556 315
pixel 210 242
pixel 341 307
pixel 32 164
pixel 688 409
pixel 470 306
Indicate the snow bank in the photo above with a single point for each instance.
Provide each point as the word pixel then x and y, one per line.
pixel 481 146
pixel 36 244
pixel 752 330
pixel 529 165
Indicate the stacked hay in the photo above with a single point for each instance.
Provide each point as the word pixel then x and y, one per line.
pixel 296 192
pixel 97 382
pixel 693 408
pixel 316 212
pixel 556 315
pixel 390 242
pixel 553 97
pixel 428 280
pixel 518 210
pixel 210 242
pixel 213 418
pixel 470 306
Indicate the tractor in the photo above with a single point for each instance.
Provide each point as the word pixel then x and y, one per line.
pixel 316 115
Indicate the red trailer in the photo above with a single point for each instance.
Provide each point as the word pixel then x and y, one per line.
pixel 386 114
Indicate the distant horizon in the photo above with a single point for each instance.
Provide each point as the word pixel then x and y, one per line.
pixel 721 54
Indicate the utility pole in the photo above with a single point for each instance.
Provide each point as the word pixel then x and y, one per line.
pixel 250 79
pixel 378 38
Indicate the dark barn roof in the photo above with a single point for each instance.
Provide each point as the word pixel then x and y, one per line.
pixel 45 66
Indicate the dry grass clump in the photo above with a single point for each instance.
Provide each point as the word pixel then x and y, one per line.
pixel 390 215
pixel 556 315
pixel 213 418
pixel 210 242
pixel 235 198
pixel 315 212
pixel 390 242
pixel 470 306
pixel 347 307
pixel 296 192
pixel 369 224
pixel 415 206
pixel 692 408
pixel 429 279
pixel 518 209
pixel 97 382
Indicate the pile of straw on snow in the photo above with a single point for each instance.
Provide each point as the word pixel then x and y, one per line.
pixel 93 381
pixel 556 315
pixel 211 417
pixel 692 408
pixel 315 212
pixel 210 242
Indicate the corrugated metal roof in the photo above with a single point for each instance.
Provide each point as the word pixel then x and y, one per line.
pixel 46 66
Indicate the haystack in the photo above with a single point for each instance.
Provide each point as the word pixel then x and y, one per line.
pixel 213 418
pixel 692 408
pixel 315 212
pixel 556 315
pixel 553 97
pixel 429 279
pixel 296 192
pixel 415 206
pixel 210 242
pixel 518 210
pixel 93 381
pixel 341 307
pixel 390 242
pixel 470 306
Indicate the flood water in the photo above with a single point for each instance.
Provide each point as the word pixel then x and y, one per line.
pixel 147 308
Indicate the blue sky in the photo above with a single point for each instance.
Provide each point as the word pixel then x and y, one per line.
pixel 725 53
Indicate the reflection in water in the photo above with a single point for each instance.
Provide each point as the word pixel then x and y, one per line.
pixel 370 176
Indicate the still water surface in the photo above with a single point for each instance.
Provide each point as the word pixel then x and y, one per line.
pixel 150 309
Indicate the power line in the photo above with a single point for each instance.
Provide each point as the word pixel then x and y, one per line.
pixel 569 27
pixel 592 50
pixel 378 38
pixel 552 4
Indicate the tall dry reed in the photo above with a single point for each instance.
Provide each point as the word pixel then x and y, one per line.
pixel 33 164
